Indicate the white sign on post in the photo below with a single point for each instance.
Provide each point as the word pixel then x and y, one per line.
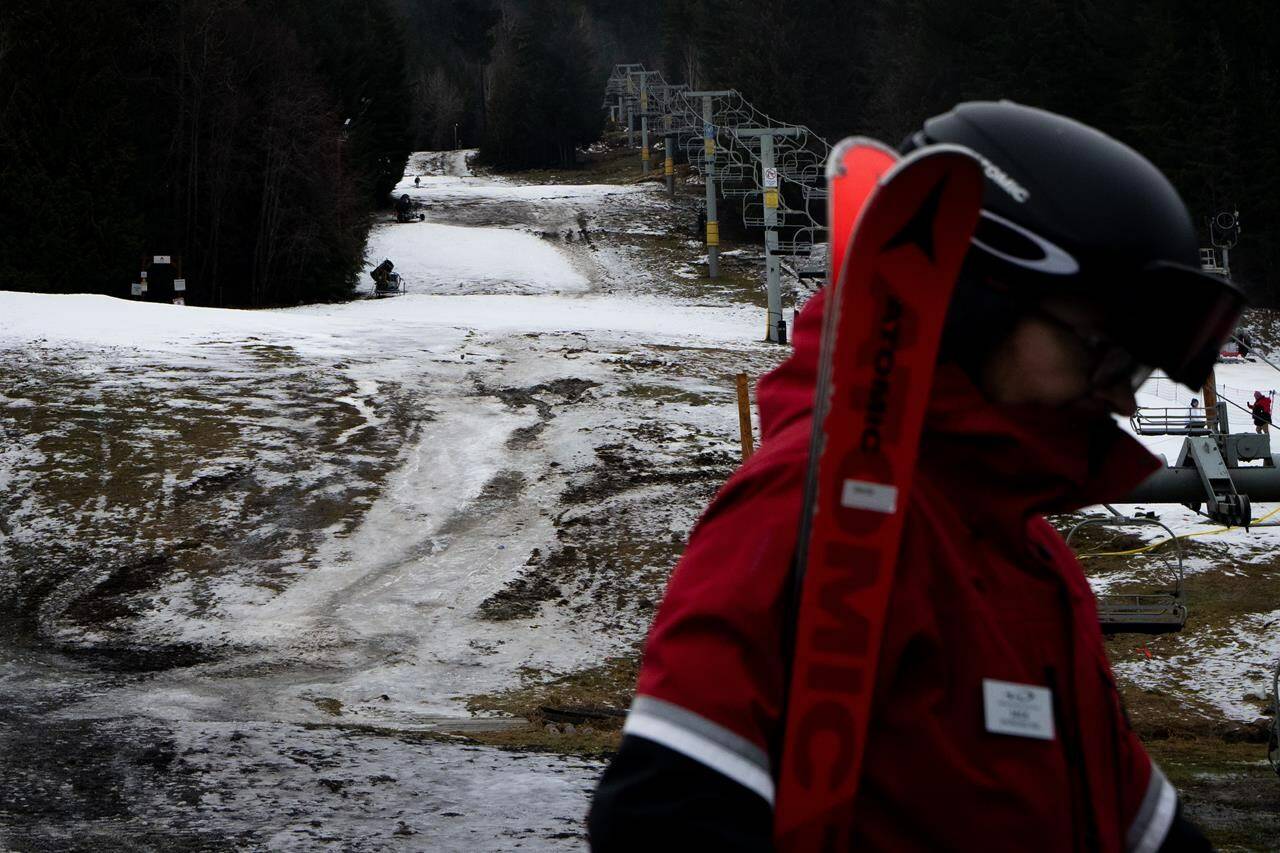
pixel 135 289
pixel 179 284
pixel 771 179
pixel 160 259
pixel 144 275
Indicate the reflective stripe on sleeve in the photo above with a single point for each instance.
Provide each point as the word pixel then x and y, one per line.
pixel 1155 815
pixel 708 743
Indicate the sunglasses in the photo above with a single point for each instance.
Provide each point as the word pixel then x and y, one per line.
pixel 1109 362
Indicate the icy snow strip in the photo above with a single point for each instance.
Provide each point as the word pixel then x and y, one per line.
pixel 390 795
pixel 366 389
pixel 455 259
pixel 433 188
pixel 340 330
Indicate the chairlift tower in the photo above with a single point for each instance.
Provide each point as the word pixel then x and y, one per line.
pixel 644 124
pixel 721 133
pixel 631 116
pixel 669 150
pixel 1224 233
pixel 708 128
pixel 771 183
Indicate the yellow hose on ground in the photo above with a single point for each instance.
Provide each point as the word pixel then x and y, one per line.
pixel 1212 532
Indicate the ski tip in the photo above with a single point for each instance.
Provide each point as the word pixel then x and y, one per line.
pixel 928 152
pixel 841 150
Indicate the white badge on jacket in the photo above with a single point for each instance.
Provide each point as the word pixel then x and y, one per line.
pixel 1024 710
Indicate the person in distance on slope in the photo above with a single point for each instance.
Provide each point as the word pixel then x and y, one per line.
pixel 1082 275
pixel 1260 408
pixel 1197 414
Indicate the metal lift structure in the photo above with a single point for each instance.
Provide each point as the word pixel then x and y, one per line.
pixel 776 170
pixel 1217 473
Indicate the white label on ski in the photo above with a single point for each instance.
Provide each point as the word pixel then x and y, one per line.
pixel 1023 710
pixel 877 497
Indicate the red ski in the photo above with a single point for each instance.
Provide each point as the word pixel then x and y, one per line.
pixel 853 171
pixel 884 317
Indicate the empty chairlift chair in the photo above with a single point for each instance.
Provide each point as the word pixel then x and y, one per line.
pixel 1156 612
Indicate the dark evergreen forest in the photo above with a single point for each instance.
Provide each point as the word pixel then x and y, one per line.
pixel 249 138
pixel 255 137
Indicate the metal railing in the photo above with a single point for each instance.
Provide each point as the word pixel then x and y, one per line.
pixel 1174 421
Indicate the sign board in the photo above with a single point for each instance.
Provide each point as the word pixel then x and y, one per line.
pixel 771 179
pixel 135 289
pixel 179 284
pixel 161 259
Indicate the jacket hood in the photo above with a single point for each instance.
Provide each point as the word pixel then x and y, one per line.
pixel 1028 459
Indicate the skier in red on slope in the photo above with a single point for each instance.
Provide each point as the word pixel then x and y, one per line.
pixel 1260 408
pixel 1079 235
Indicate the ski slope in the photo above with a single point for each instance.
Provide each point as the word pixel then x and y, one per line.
pixel 270 556
pixel 297 535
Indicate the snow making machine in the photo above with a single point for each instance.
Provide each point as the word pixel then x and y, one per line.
pixel 386 281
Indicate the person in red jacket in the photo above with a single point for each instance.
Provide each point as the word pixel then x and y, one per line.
pixel 1059 314
pixel 1261 411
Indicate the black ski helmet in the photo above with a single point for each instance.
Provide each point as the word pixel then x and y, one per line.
pixel 1068 209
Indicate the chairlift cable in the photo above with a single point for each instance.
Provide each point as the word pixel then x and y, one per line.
pixel 1253 351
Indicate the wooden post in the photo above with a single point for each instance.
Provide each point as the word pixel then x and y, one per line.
pixel 744 417
pixel 1211 402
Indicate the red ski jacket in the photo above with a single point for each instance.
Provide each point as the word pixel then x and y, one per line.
pixel 985 590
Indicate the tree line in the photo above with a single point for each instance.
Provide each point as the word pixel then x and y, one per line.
pixel 519 79
pixel 250 138
pixel 255 137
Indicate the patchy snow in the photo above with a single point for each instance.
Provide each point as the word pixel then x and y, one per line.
pixel 1224 666
pixel 366 514
pixel 437 189
pixel 343 330
pixel 1231 667
pixel 1236 383
pixel 361 514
